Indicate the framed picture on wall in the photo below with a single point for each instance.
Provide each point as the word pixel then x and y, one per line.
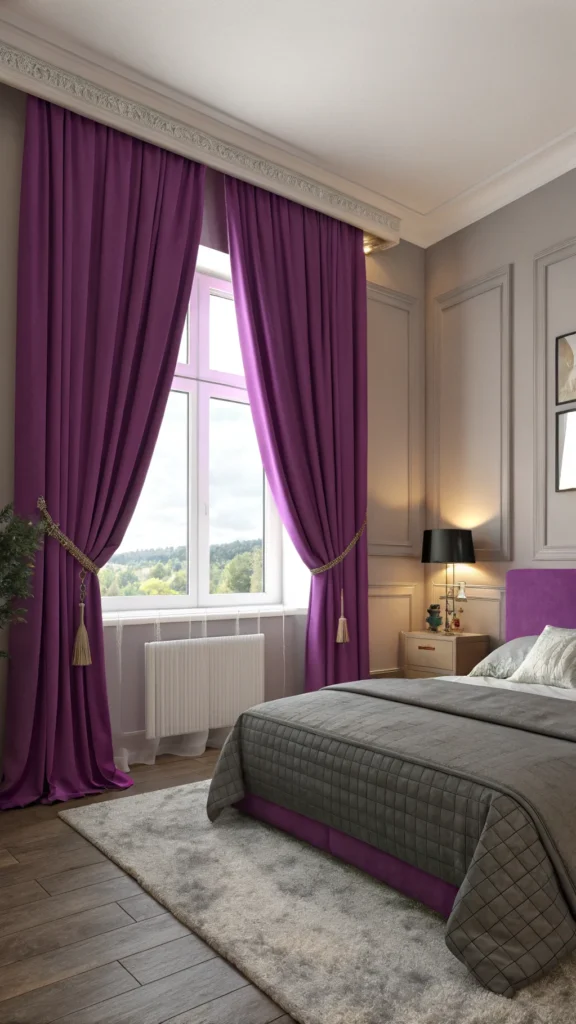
pixel 566 368
pixel 566 450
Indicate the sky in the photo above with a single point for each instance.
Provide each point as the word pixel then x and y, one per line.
pixel 236 475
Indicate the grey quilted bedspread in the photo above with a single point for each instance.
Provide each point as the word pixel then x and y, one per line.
pixel 474 785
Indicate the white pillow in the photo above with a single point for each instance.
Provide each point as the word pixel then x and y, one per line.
pixel 502 662
pixel 552 660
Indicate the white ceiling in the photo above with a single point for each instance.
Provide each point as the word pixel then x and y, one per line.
pixel 428 103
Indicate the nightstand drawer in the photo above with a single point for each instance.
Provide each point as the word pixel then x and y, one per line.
pixel 430 652
pixel 424 654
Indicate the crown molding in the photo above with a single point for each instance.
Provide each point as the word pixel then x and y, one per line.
pixel 97 87
pixel 511 183
pixel 186 134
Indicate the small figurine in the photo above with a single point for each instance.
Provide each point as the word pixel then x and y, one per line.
pixel 457 620
pixel 434 618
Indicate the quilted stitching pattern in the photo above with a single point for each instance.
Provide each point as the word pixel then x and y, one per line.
pixel 422 816
pixel 510 922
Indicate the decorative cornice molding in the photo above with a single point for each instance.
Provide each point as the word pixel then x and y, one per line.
pixel 98 87
pixel 38 76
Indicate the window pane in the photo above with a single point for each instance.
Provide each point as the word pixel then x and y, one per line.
pixel 236 500
pixel 153 557
pixel 183 350
pixel 225 354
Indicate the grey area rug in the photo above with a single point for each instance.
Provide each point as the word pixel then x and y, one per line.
pixel 325 941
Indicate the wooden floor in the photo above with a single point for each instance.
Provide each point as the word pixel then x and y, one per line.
pixel 81 942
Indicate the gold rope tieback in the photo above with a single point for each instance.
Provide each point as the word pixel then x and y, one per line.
pixel 342 634
pixel 81 653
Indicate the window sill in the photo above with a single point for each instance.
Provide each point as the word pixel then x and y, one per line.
pixel 137 618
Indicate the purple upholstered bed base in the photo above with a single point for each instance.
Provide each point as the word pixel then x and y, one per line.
pixel 413 882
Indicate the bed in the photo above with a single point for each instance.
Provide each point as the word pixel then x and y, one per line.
pixel 460 796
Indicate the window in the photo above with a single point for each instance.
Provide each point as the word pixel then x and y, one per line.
pixel 205 531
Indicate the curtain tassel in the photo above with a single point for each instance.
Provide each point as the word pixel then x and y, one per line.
pixel 342 634
pixel 81 652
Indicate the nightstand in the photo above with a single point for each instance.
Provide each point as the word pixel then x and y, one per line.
pixel 425 655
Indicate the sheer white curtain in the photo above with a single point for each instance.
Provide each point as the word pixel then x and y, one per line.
pixel 139 750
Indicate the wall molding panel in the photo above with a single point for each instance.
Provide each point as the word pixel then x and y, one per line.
pixel 442 386
pixel 379 543
pixel 389 603
pixel 484 611
pixel 544 414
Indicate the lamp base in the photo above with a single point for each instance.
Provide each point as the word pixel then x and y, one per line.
pixel 448 631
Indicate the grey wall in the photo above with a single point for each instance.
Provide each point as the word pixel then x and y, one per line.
pixel 12 108
pixel 498 293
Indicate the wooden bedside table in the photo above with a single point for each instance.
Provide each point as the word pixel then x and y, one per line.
pixel 424 655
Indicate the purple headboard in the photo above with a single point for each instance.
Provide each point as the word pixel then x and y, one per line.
pixel 539 597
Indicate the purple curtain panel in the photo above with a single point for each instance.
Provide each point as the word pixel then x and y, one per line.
pixel 109 235
pixel 300 289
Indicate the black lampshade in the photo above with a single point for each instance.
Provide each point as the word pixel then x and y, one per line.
pixel 448 546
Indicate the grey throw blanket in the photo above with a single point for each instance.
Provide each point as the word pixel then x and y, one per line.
pixel 474 785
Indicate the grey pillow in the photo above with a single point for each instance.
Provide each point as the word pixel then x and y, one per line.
pixel 505 660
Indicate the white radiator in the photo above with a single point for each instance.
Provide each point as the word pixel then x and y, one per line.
pixel 196 685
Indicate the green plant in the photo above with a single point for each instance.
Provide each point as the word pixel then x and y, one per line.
pixel 19 541
pixel 237 575
pixel 153 586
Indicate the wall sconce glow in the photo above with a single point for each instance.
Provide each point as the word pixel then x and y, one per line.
pixel 374 244
pixel 471 519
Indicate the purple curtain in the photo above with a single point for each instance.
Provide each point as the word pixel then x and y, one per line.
pixel 300 289
pixel 109 234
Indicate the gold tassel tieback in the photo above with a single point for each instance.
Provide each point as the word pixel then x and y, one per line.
pixel 342 633
pixel 81 652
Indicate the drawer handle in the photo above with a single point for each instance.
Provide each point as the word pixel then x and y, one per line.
pixel 422 647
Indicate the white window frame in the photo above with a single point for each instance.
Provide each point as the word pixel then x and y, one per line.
pixel 201 383
pixel 207 286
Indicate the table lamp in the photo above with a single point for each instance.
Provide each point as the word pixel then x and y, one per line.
pixel 448 547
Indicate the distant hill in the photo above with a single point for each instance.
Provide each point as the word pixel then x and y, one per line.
pixel 143 555
pixel 220 554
